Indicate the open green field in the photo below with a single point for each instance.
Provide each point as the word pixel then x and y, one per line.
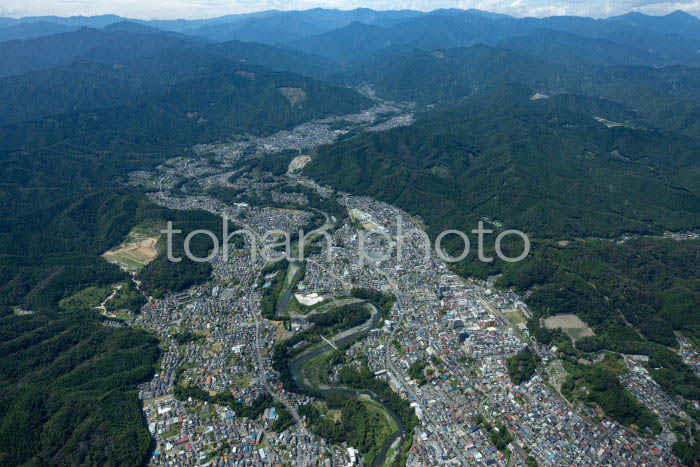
pixel 140 247
pixel 88 298
pixel 516 317
pixel 243 381
pixel 377 408
pixel 316 370
pixel 570 324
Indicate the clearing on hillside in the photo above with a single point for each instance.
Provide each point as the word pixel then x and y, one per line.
pixel 570 324
pixel 139 249
pixel 298 163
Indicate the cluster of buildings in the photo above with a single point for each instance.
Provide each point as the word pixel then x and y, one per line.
pixel 214 338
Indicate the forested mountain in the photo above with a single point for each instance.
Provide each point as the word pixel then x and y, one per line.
pixel 49 165
pixel 32 30
pixel 97 21
pixel 448 74
pixel 577 51
pixel 275 58
pixel 543 166
pixel 87 85
pixel 677 22
pixel 578 131
pixel 54 169
pixel 67 378
pixel 275 27
pixel 84 44
pixel 355 42
pixel 350 36
pixel 234 99
pixel 638 38
pixel 664 98
pixel 614 42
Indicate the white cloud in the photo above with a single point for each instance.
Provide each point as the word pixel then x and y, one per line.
pixel 168 9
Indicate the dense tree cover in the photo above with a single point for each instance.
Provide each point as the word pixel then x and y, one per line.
pixel 522 366
pixel 342 317
pixel 500 436
pixel 128 297
pixel 275 58
pixel 384 302
pixel 428 77
pixel 364 429
pixel 627 39
pixel 634 295
pixel 364 379
pixel 118 42
pixel 87 85
pixel 68 390
pixel 49 253
pixel 550 61
pixel 543 166
pixel 271 294
pixel 687 448
pixel 185 337
pixel 226 98
pixel 277 164
pixel 148 60
pixel 415 371
pixel 162 275
pixel 51 249
pixel 104 46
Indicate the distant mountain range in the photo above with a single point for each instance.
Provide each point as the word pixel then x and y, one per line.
pixel 346 36
pixel 565 127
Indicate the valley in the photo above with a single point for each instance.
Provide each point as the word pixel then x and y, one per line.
pixel 160 180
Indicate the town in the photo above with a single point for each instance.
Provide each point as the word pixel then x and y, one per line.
pixel 219 345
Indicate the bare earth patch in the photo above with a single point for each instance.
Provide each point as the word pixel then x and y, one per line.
pixel 133 254
pixel 608 123
pixel 570 324
pixel 295 96
pixel 298 163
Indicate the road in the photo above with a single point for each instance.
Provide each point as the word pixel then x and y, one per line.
pixel 301 458
pixel 391 369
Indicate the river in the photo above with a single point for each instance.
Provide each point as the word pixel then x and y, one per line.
pixel 297 365
pixel 339 340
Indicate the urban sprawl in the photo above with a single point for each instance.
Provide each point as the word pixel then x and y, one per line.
pixel 458 332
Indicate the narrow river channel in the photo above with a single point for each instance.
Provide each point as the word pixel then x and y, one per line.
pixel 297 365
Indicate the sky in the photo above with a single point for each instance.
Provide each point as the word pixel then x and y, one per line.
pixel 191 9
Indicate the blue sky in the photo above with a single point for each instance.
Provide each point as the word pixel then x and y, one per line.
pixel 169 9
